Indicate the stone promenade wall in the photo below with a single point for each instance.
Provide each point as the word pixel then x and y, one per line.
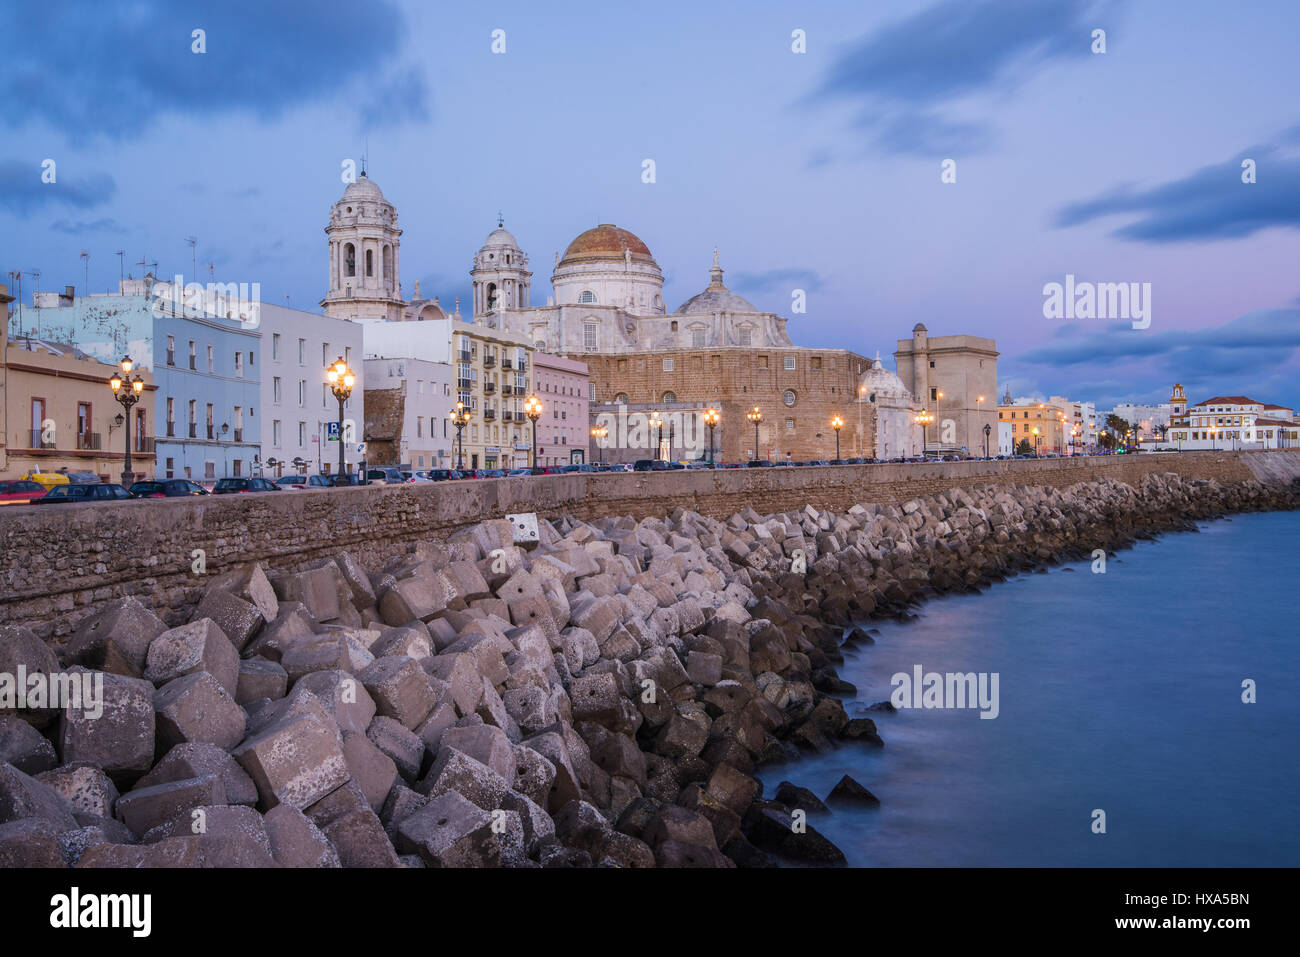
pixel 60 563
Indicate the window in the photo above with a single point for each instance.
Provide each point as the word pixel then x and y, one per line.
pixel 239 365
pixel 744 336
pixel 668 365
pixel 789 425
pixel 931 363
pixel 251 358
pixel 275 345
pixel 325 354
pixel 816 362
pixel 788 398
pixel 212 361
pixel 275 433
pixel 670 397
pixel 789 363
pixel 934 395
pixel 349 260
pixel 762 362
pixel 586 296
pixel 589 336
pixel 171 416
pixel 171 350
pixel 621 398
pixel 193 356
pixel 302 352
pixel 302 433
pixel 302 392
pixel 275 390
pixel 419 427
pixel 171 466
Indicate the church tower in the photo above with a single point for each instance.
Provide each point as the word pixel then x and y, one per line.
pixel 1178 406
pixel 500 274
pixel 363 236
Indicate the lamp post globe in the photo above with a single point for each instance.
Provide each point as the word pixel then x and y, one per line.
pixel 533 409
pixel 127 391
pixel 837 423
pixel 460 419
pixel 755 415
pixel 341 379
pixel 711 419
pixel 598 433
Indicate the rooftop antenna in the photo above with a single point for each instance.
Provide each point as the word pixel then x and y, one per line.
pixel 86 257
pixel 121 274
pixel 36 274
pixel 193 243
pixel 212 272
pixel 501 222
pixel 364 150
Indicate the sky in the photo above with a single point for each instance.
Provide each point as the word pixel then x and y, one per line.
pixel 821 170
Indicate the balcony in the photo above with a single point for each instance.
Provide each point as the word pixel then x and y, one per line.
pixel 89 442
pixel 144 444
pixel 489 361
pixel 171 430
pixel 507 364
pixel 194 430
pixel 193 364
pixel 522 365
pixel 171 357
pixel 212 434
pixel 507 390
pixel 489 387
pixel 489 413
pixel 239 435
pixel 36 441
pixel 506 415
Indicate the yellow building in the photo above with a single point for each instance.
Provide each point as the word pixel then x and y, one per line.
pixel 5 299
pixel 60 414
pixel 491 380
pixel 1044 425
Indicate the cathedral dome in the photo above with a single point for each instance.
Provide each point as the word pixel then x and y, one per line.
pixel 363 188
pixel 606 242
pixel 879 381
pixel 716 297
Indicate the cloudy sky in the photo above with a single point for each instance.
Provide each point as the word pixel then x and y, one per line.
pixel 818 171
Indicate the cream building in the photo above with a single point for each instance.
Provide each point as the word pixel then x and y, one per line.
pixel 897 433
pixel 1231 422
pixel 955 378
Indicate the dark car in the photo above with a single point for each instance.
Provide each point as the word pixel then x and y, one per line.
pixel 758 464
pixel 490 473
pixel 229 486
pixel 62 494
pixel 20 492
pixel 444 475
pixel 643 465
pixel 167 488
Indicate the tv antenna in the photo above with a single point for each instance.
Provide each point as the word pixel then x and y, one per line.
pixel 85 256
pixel 121 268
pixel 193 243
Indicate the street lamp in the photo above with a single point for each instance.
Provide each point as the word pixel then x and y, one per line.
pixel 460 419
pixel 1035 441
pixel 987 429
pixel 657 426
pixel 923 419
pixel 128 393
pixel 598 433
pixel 711 418
pixel 755 415
pixel 837 423
pixel 341 380
pixel 533 409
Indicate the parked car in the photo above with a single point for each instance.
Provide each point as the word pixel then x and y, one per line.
pixel 167 488
pixel 20 491
pixel 490 473
pixel 758 464
pixel 514 472
pixel 292 481
pixel 229 486
pixel 444 475
pixel 64 494
pixel 388 476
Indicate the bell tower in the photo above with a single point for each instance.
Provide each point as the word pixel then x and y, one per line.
pixel 500 274
pixel 365 281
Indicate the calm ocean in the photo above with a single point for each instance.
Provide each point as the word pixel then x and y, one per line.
pixel 1118 691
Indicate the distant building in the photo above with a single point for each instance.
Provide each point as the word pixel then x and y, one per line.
pixel 955 378
pixel 1233 422
pixel 897 433
pixel 1149 420
pixel 563 431
pixel 1042 425
pixel 408 413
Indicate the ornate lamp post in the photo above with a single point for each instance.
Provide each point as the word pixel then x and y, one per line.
pixel 923 419
pixel 987 429
pixel 1035 441
pixel 460 419
pixel 711 418
pixel 128 393
pixel 657 425
pixel 837 423
pixel 533 409
pixel 755 415
pixel 341 380
pixel 598 433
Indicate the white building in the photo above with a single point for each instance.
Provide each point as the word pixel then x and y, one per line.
pixel 297 405
pixel 897 433
pixel 410 403
pixel 1006 439
pixel 1148 419
pixel 1234 422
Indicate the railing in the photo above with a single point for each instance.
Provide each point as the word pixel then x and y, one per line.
pixel 89 441
pixel 194 430
pixel 507 363
pixel 489 413
pixel 171 430
pixel 145 444
pixel 523 365
pixel 489 361
pixel 239 435
pixel 489 387
pixel 37 441
pixel 506 415
pixel 212 432
pixel 193 363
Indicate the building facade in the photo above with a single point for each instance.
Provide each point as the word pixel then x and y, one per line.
pixel 1233 422
pixel 299 431
pixel 564 428
pixel 408 413
pixel 955 378
pixel 897 433
pixel 1043 426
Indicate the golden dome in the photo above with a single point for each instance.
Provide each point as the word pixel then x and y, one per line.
pixel 606 242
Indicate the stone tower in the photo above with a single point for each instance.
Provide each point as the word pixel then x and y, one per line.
pixel 363 236
pixel 500 274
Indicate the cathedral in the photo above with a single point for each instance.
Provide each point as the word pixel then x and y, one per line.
pixel 777 400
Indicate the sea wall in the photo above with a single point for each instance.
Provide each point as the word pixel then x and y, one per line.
pixel 60 563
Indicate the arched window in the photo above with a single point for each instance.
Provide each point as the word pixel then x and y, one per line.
pixel 744 335
pixel 370 262
pixel 586 296
pixel 670 397
pixel 349 259
pixel 621 398
pixel 589 336
pixel 388 262
pixel 540 345
pixel 491 296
